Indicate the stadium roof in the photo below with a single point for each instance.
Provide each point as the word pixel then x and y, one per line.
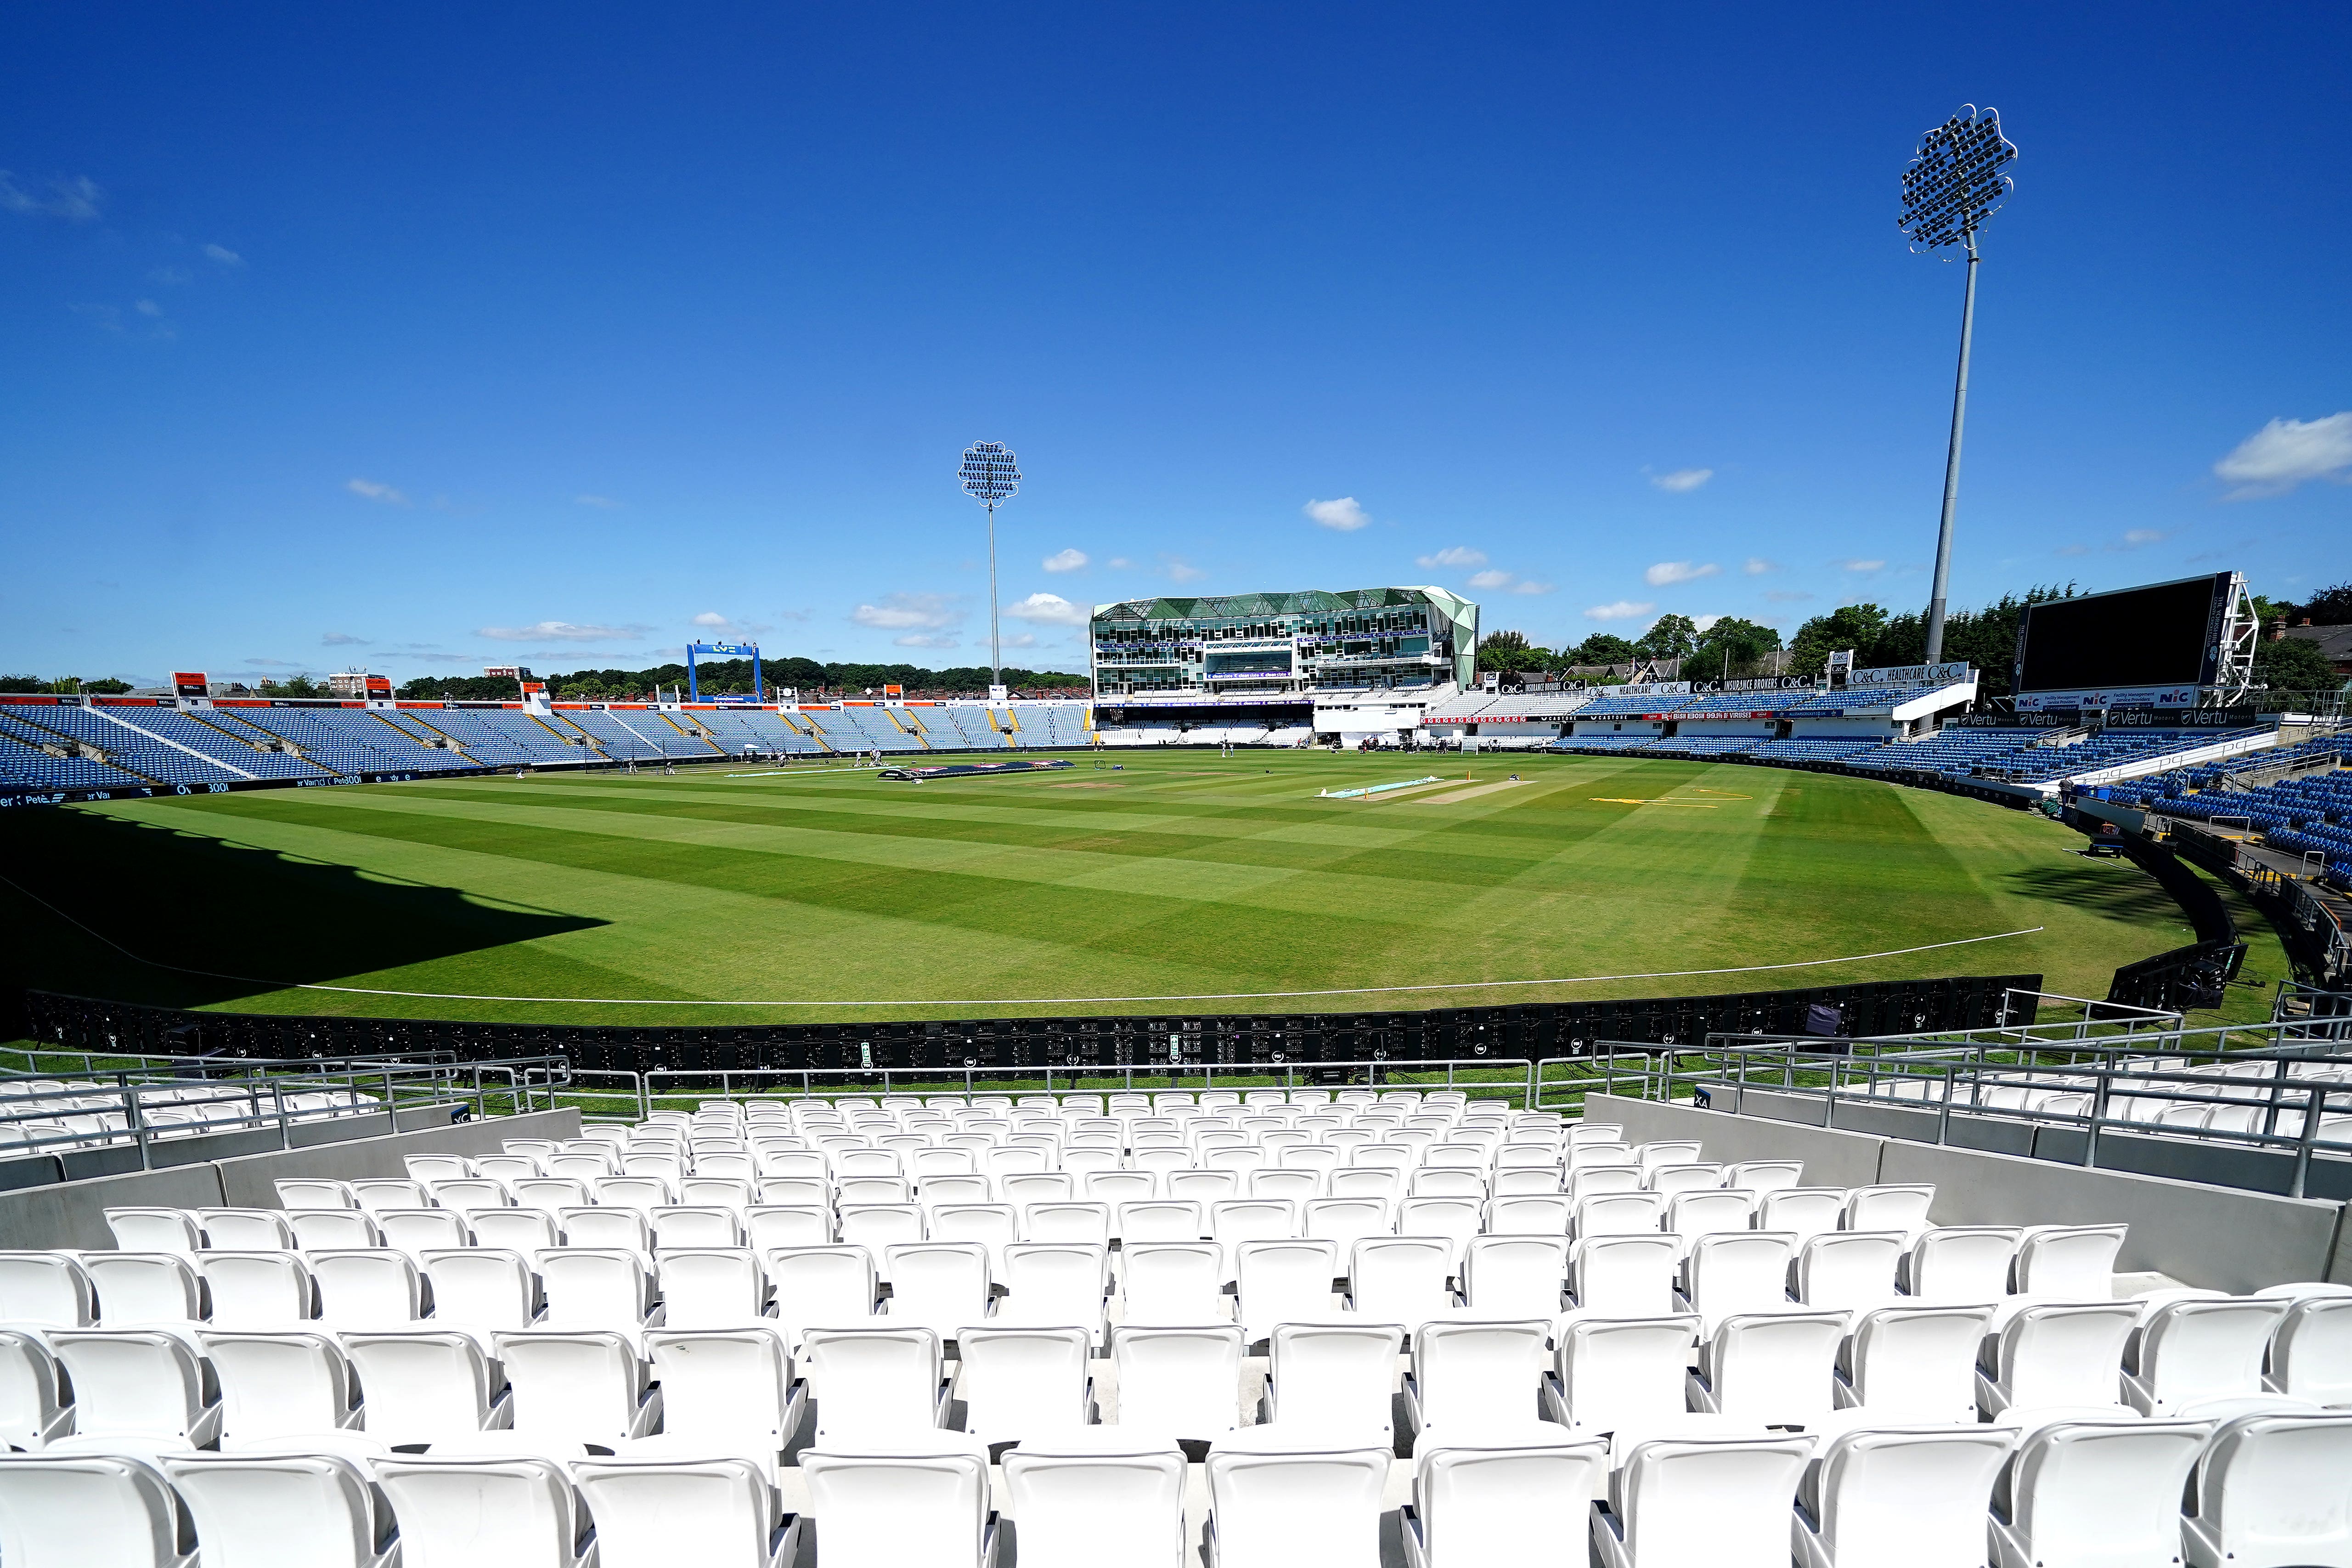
pixel 1312 601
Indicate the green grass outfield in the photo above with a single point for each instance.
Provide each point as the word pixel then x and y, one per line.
pixel 1181 874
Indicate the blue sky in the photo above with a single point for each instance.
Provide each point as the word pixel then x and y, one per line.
pixel 418 337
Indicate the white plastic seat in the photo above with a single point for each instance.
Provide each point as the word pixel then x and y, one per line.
pixel 1454 1218
pixel 155 1230
pixel 483 1288
pixel 425 1169
pixel 642 1193
pixel 1899 1497
pixel 942 1285
pixel 142 1290
pixel 1174 1282
pixel 1158 1219
pixel 330 1230
pixel 1624 1276
pixel 732 1387
pixel 1661 1152
pixel 260 1289
pixel 1118 1189
pixel 1098 1498
pixel 1737 1271
pixel 711 1287
pixel 138 1382
pixel 311 1193
pixel 2067 1262
pixel 1069 1221
pixel 2053 1354
pixel 873 1190
pixel 821 1287
pixel 282 1384
pixel 1913 1363
pixel 610 1227
pixel 873 1384
pixel 368 1289
pixel 1469 1375
pixel 288 1508
pixel 1381 1181
pixel 680 1225
pixel 1649 1521
pixel 64 1511
pixel 1234 1221
pixel 1769 1369
pixel 1854 1269
pixel 1056 1284
pixel 1802 1212
pixel 529 1231
pixel 1519 1181
pixel 474 1193
pixel 1306 1502
pixel 36 1406
pixel 1762 1177
pixel 1583 1180
pixel 424 1385
pixel 1447 1182
pixel 1280 1281
pixel 245 1230
pixel 1015 1381
pixel 1514 1275
pixel 507 1511
pixel 1511 1501
pixel 1713 1210
pixel 1400 1278
pixel 2270 1492
pixel 1335 1377
pixel 1959 1263
pixel 1671 1180
pixel 1034 1186
pixel 596 1288
pixel 1184 1381
pixel 767 1225
pixel 419 1231
pixel 1531 1213
pixel 2096 1494
pixel 1620 1214
pixel 654 1512
pixel 921 1502
pixel 578 1385
pixel 1619 1375
pixel 1893 1207
pixel 2189 1351
pixel 2311 1351
pixel 880 1227
pixel 1347 1220
pixel 377 1192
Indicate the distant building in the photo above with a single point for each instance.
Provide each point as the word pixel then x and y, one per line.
pixel 508 671
pixel 2335 643
pixel 1276 645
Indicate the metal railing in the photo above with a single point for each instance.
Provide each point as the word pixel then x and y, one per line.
pixel 50 1107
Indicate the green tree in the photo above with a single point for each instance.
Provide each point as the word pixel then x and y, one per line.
pixel 2329 607
pixel 1856 626
pixel 109 687
pixel 22 683
pixel 1507 650
pixel 1733 646
pixel 1604 647
pixel 1670 636
pixel 2295 664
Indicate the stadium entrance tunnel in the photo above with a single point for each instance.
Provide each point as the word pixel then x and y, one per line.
pixel 207 920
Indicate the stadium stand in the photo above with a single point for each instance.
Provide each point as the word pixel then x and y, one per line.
pixel 346 739
pixel 142 752
pixel 29 758
pixel 628 1334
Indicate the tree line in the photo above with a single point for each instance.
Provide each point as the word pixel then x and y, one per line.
pixel 732 678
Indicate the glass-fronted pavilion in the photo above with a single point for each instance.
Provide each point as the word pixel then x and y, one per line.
pixel 1258 645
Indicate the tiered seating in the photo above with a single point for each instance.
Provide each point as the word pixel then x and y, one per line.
pixel 347 739
pixel 509 737
pixel 2110 749
pixel 1849 750
pixel 1619 706
pixel 624 737
pixel 971 725
pixel 2308 814
pixel 2239 1100
pixel 1952 751
pixel 24 766
pixel 55 1116
pixel 220 743
pixel 1706 746
pixel 141 751
pixel 1601 743
pixel 1108 1289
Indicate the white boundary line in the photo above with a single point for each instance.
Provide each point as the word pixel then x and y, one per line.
pixel 1016 1001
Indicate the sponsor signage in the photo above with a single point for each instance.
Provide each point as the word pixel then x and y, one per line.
pixel 1912 675
pixel 2126 697
pixel 190 683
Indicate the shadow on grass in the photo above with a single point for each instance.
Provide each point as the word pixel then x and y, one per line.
pixel 231 920
pixel 2118 892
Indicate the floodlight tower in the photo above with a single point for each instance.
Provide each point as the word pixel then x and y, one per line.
pixel 1955 182
pixel 990 477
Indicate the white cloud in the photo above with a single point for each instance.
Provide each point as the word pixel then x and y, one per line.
pixel 601 503
pixel 148 307
pixel 1682 479
pixel 1670 571
pixel 344 639
pixel 1495 578
pixel 711 618
pixel 1623 610
pixel 1703 622
pixel 1022 640
pixel 1787 596
pixel 1756 566
pixel 1452 555
pixel 1182 570
pixel 563 631
pixel 375 489
pixel 75 200
pixel 1065 560
pixel 1860 565
pixel 1120 562
pixel 2136 537
pixel 1531 586
pixel 2285 453
pixel 1049 610
pixel 922 639
pixel 224 255
pixel 1343 514
pixel 899 612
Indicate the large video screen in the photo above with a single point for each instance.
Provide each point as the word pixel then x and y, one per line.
pixel 2156 635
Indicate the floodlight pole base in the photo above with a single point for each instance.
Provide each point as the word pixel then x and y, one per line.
pixel 995 657
pixel 1952 459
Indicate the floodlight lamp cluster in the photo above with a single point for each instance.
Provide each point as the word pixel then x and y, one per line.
pixel 1956 180
pixel 989 472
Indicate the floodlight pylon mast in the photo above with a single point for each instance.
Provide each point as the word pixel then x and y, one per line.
pixel 1952 462
pixel 991 475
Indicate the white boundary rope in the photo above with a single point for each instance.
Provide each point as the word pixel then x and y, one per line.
pixel 1015 1001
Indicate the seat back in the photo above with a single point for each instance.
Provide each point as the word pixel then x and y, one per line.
pixel 1279 1280
pixel 132 1381
pixel 1400 1278
pixel 573 1385
pixel 90 1509
pixel 418 1231
pixel 1066 1221
pixel 422 1383
pixel 33 1406
pixel 282 1384
pixel 2103 1492
pixel 711 1287
pixel 1074 1498
pixel 1740 1271
pixel 723 1383
pixel 309 1192
pixel 1896 1207
pixel 2311 1352
pixel 1160 1219
pixel 1960 1263
pixel 525 1230
pixel 651 1511
pixel 1748 1483
pixel 942 1283
pixel 2270 1489
pixel 1917 1363
pixel 1624 1372
pixel 2069 1262
pixel 1624 1276
pixel 136 1288
pixel 1774 1368
pixel 1802 1212
pixel 483 1287
pixel 2064 1354
pixel 1055 1283
pixel 696 1225
pixel 1762 1177
pixel 1906 1497
pixel 1273 1509
pixel 245 1230
pixel 590 1288
pixel 281 1510
pixel 1016 1380
pixel 1532 1214
pixel 1710 1212
pixel 1619 1214
pixel 332 1229
pixel 1174 1282
pixel 1185 1382
pixel 260 1289
pixel 368 1288
pixel 155 1230
pixel 822 1287
pixel 1472 1373
pixel 900 1509
pixel 871 1383
pixel 477 1512
pixel 1515 1276
pixel 1521 1503
pixel 1852 1268
pixel 2191 1350
pixel 1335 1377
